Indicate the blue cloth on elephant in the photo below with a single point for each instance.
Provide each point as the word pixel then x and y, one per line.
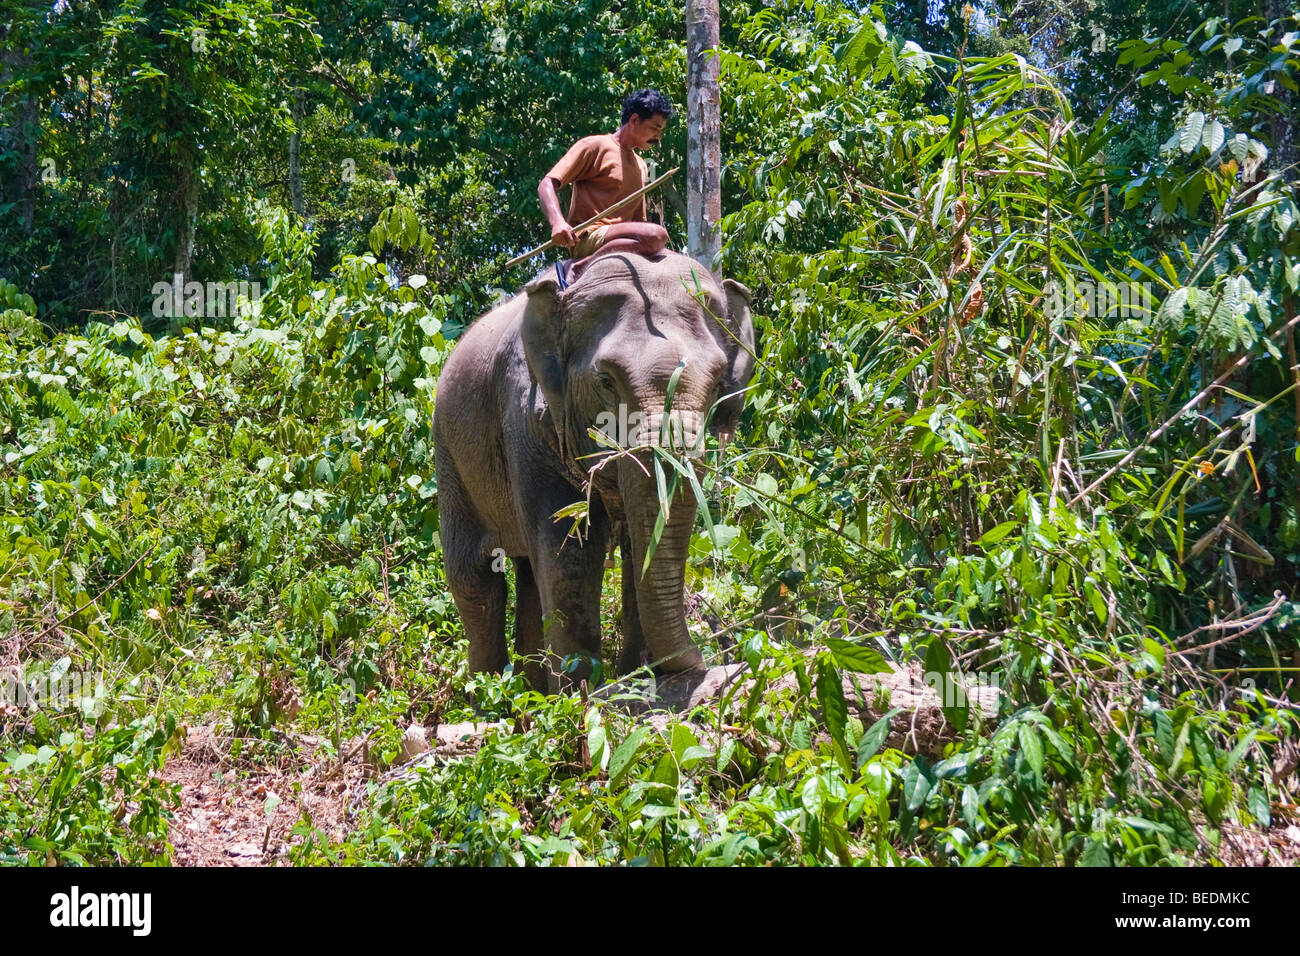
pixel 563 272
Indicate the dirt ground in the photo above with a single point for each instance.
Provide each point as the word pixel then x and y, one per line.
pixel 233 813
pixel 241 816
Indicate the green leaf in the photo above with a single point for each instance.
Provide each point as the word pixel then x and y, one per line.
pixel 1180 747
pixel 811 795
pixel 996 533
pixel 693 755
pixel 938 660
pixel 22 762
pixel 954 766
pixel 918 781
pixel 598 746
pixel 1213 135
pixel 665 771
pixel 830 695
pixel 1095 853
pixel 970 806
pixel 1155 649
pixel 939 673
pixel 682 740
pixel 662 518
pixel 1257 800
pixel 1193 126
pixel 1203 748
pixel 874 738
pixel 624 754
pixel 668 400
pixel 725 754
pixel 801 735
pixel 1097 601
pixel 687 470
pixel 1164 736
pixel 1031 748
pixel 858 657
pixel 1239 751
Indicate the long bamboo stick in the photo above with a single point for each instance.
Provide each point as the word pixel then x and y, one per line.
pixel 594 219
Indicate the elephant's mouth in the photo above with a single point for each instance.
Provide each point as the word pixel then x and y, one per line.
pixel 619 436
pixel 680 431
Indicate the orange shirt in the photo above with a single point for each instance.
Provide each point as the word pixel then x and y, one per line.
pixel 602 172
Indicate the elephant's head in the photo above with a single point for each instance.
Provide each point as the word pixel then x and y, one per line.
pixel 605 353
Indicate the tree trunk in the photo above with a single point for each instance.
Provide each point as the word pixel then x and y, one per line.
pixel 1282 125
pixel 187 208
pixel 18 135
pixel 295 155
pixel 703 133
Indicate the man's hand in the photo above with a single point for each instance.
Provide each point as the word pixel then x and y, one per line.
pixel 562 234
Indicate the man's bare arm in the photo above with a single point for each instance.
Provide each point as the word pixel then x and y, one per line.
pixel 562 233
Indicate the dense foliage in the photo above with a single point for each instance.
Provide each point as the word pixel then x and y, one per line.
pixel 958 452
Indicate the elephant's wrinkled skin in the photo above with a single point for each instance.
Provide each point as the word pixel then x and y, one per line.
pixel 514 405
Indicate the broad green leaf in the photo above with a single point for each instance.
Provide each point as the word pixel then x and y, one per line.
pixel 918 780
pixel 858 657
pixel 811 795
pixel 874 737
pixel 1257 800
pixel 1239 751
pixel 598 746
pixel 693 755
pixel 624 754
pixel 22 762
pixel 1031 748
pixel 1095 853
pixel 830 695
pixel 1213 136
pixel 1190 137
pixel 996 533
pixel 682 740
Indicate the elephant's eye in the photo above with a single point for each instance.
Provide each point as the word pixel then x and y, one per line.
pixel 605 381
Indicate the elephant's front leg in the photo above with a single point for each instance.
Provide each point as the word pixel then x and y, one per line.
pixel 569 575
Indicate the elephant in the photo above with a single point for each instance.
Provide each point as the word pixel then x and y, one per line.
pixel 514 411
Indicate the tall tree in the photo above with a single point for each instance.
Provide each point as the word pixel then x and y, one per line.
pixel 19 124
pixel 703 133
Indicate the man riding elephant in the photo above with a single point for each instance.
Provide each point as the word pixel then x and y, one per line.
pixel 603 169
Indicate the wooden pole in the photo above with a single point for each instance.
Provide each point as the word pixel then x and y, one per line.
pixel 703 133
pixel 550 243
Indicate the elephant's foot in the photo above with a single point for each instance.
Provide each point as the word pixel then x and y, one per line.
pixel 690 688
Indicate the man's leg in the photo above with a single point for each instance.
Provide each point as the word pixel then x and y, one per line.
pixel 647 238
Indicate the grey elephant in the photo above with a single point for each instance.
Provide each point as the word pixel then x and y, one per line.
pixel 516 403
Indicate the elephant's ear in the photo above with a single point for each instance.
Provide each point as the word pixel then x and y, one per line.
pixel 738 335
pixel 542 327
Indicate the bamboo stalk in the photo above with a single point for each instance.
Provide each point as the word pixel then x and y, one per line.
pixel 594 219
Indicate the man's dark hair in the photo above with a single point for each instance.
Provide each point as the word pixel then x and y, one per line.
pixel 647 103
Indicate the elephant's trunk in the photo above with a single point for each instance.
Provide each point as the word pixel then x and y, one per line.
pixel 659 592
